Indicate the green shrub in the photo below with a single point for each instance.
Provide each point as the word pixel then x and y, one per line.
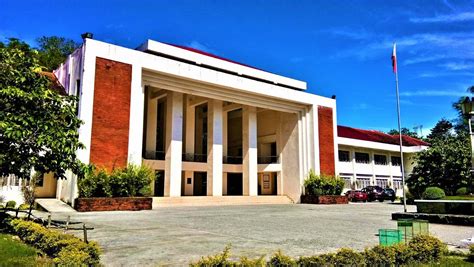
pixel 24 206
pixel 470 257
pixel 318 260
pixel 461 191
pixel 433 193
pixel 65 249
pixel 217 260
pixel 130 181
pixel 323 184
pixel 348 257
pixel 11 204
pixel 426 248
pixel 246 262
pixel 282 260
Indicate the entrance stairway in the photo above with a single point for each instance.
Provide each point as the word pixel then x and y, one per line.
pixel 219 200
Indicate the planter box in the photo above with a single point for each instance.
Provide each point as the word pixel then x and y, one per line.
pixel 113 203
pixel 324 199
pixel 463 207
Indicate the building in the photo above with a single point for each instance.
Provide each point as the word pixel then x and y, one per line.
pixel 368 157
pixel 205 124
pixel 208 126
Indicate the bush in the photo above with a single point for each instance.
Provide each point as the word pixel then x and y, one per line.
pixel 65 249
pixel 410 198
pixel 24 206
pixel 317 185
pixel 130 181
pixel 433 193
pixel 426 248
pixel 220 259
pixel 282 260
pixel 246 262
pixel 10 204
pixel 471 253
pixel 348 257
pixel 461 191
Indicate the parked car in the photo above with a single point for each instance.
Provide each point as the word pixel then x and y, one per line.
pixel 378 193
pixel 356 195
pixel 389 194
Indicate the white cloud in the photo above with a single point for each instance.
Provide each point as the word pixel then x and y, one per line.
pixel 434 93
pixel 457 17
pixel 457 65
pixel 444 74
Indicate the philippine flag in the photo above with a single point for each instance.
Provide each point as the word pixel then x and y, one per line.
pixel 394 58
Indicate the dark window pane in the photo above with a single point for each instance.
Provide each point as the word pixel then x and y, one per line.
pixel 362 157
pixel 380 159
pixel 344 156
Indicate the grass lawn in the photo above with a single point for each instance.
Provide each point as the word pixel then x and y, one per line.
pixel 459 198
pixel 15 253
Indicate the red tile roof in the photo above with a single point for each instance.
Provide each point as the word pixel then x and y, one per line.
pixel 377 136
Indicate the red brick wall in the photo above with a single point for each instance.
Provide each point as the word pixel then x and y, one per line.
pixel 111 114
pixel 113 203
pixel 326 141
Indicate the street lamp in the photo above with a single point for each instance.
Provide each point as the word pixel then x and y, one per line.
pixel 467 107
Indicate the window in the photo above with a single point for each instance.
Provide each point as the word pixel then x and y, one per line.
pixel 382 182
pixel 344 156
pixel 39 181
pixel 347 179
pixel 362 157
pixel 396 161
pixel 397 183
pixel 380 159
pixel 362 182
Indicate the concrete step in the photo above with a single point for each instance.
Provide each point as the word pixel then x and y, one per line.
pixel 53 205
pixel 219 200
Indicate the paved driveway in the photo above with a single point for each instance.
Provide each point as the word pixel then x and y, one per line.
pixel 174 236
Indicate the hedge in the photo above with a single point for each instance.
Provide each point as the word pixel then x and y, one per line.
pixel 433 193
pixel 421 249
pixel 65 249
pixel 317 185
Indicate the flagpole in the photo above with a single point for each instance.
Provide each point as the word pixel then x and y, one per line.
pixel 401 139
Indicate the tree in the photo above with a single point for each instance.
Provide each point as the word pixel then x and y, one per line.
pixel 38 127
pixel 445 164
pixel 53 50
pixel 443 128
pixel 405 131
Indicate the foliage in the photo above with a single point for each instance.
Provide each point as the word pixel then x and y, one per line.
pixel 38 127
pixel 65 249
pixel 11 204
pixel 405 131
pixel 24 206
pixel 426 248
pixel 445 164
pixel 471 253
pixel 282 260
pixel 421 249
pixel 218 260
pixel 130 181
pixel 257 262
pixel 442 128
pixel 14 253
pixel 433 193
pixel 53 50
pixel 323 184
pixel 462 191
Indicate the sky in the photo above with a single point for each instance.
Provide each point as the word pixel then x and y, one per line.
pixel 339 47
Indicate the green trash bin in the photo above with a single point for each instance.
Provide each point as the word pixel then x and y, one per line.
pixel 389 237
pixel 409 228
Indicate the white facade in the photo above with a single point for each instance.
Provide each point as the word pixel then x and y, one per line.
pixel 362 163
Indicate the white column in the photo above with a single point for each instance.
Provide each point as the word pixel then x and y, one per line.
pixel 151 124
pixel 190 125
pixel 214 148
pixel 249 146
pixel 137 103
pixel 174 144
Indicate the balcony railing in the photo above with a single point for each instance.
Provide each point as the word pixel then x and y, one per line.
pixel 232 160
pixel 155 155
pixel 267 159
pixel 194 157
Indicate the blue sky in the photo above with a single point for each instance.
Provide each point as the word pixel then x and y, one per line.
pixel 339 47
